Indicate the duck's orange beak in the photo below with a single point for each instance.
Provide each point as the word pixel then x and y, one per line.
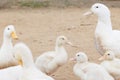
pixel 14 36
pixel 20 62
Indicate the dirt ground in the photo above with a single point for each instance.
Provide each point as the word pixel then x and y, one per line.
pixel 39 29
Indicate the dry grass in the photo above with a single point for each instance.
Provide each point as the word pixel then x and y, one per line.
pixel 54 3
pixel 44 3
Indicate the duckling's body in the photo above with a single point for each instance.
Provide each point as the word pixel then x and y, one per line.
pixel 111 64
pixel 89 71
pixel 50 61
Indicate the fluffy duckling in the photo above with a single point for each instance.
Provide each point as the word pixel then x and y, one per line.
pixel 50 61
pixel 87 70
pixel 24 57
pixel 6 54
pixel 105 37
pixel 111 64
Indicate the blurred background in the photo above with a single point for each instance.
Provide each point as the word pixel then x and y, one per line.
pixel 54 3
pixel 39 22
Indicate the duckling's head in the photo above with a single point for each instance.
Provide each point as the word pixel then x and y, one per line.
pixel 10 32
pixel 80 57
pixel 61 40
pixel 109 55
pixel 99 9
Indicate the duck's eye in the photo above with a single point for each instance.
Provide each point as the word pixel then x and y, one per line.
pixel 78 55
pixel 108 54
pixel 8 28
pixel 97 7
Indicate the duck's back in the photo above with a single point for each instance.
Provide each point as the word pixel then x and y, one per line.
pixel 34 74
pixel 42 61
pixel 11 73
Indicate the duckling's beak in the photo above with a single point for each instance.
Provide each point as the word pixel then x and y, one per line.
pixel 20 62
pixel 88 13
pixel 102 58
pixel 73 59
pixel 69 43
pixel 14 36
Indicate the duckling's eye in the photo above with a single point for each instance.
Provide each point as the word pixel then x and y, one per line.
pixel 97 7
pixel 108 54
pixel 8 28
pixel 78 55
pixel 63 39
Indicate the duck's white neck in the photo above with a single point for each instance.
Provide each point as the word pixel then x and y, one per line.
pixel 7 42
pixel 28 61
pixel 104 26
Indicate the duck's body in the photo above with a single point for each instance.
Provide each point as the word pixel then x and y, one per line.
pixel 30 72
pixel 105 37
pixel 6 54
pixel 89 71
pixel 11 73
pixel 50 61
pixel 112 65
pixel 34 74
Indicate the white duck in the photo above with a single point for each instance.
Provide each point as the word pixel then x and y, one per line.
pixel 24 57
pixel 89 71
pixel 105 37
pixel 11 73
pixel 6 54
pixel 50 61
pixel 111 64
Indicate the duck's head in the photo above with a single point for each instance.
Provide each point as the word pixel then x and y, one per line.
pixel 17 54
pixel 109 55
pixel 10 32
pixel 62 40
pixel 99 9
pixel 22 54
pixel 80 57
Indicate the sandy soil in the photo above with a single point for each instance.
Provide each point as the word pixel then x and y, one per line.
pixel 39 28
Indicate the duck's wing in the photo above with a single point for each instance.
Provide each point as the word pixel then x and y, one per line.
pixel 98 46
pixel 113 43
pixel 12 73
pixel 44 58
pixel 49 57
